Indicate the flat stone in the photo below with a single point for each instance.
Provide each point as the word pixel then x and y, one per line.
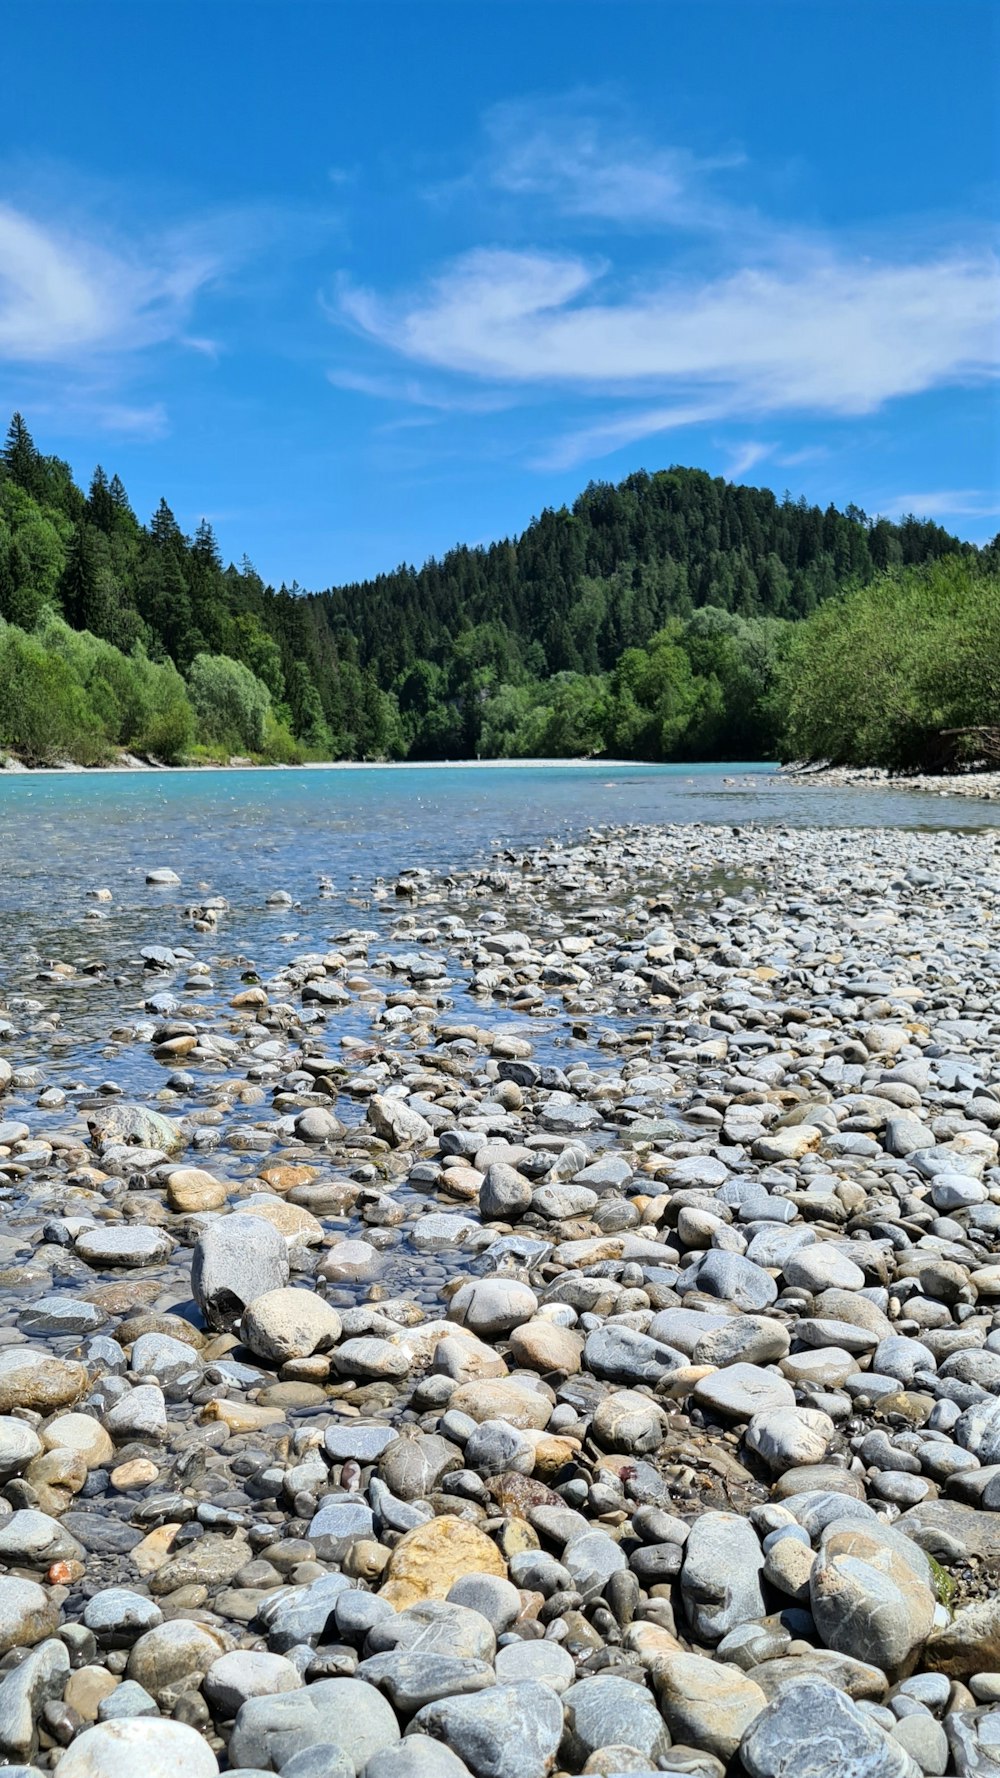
pixel 124 1244
pixel 31 1379
pixel 707 1704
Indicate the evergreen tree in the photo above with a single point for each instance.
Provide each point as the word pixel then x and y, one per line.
pixel 100 509
pixel 20 458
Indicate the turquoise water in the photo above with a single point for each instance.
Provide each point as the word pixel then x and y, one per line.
pixel 244 834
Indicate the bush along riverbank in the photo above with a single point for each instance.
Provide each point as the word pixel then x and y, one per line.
pixel 549 1327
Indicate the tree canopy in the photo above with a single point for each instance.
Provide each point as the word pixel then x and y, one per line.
pixel 652 619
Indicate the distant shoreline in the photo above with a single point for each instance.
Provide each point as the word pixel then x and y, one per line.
pixel 139 769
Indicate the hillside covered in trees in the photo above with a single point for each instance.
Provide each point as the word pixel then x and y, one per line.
pixel 666 617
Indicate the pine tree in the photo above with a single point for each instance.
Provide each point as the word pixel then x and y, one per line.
pixel 120 501
pixel 100 506
pixel 20 458
pixel 164 529
pixel 205 549
pixel 80 588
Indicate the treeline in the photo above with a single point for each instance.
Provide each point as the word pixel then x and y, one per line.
pixel 651 620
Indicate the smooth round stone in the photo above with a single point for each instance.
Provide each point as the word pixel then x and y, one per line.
pixel 285 1324
pixel 626 1420
pixel 351 1262
pixel 736 1280
pixel 138 1473
pixel 343 1713
pixel 247 1673
pixel 507 1731
pixel 191 1189
pixel 925 1741
pixel 156 1747
pixel 495 1599
pixel 607 1711
pixel 427 1561
pixel 416 1757
pixel 789 1437
pixel 32 1539
pixel 82 1434
pixel 172 1652
pixel 720 1578
pixel 118 1617
pixel 547 1662
pixel 492 1307
pixel 31 1379
pixel 743 1390
pixel 494 1448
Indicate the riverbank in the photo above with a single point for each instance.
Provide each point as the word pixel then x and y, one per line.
pixel 978 783
pixel 543 1313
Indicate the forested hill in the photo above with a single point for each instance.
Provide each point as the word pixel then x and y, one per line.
pixel 580 585
pixel 649 619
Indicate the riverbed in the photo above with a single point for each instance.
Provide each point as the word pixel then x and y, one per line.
pixel 497 1274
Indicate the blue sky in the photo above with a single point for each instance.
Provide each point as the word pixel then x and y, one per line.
pixel 358 280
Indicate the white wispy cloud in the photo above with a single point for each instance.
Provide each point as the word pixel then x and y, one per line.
pixel 412 391
pixel 581 155
pixel 601 437
pixel 751 321
pixel 67 296
pixel 943 502
pixel 831 333
pixel 745 457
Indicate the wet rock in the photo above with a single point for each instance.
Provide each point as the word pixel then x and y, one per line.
pixel 236 1259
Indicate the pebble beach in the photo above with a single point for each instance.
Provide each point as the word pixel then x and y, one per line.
pixel 548 1323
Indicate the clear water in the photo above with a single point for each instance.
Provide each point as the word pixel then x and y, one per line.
pixel 242 834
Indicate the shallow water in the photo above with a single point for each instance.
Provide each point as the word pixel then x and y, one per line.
pixel 242 835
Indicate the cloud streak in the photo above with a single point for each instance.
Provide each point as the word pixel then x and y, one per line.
pixel 748 323
pixel 65 297
pixel 831 333
pixel 943 502
pixel 577 155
